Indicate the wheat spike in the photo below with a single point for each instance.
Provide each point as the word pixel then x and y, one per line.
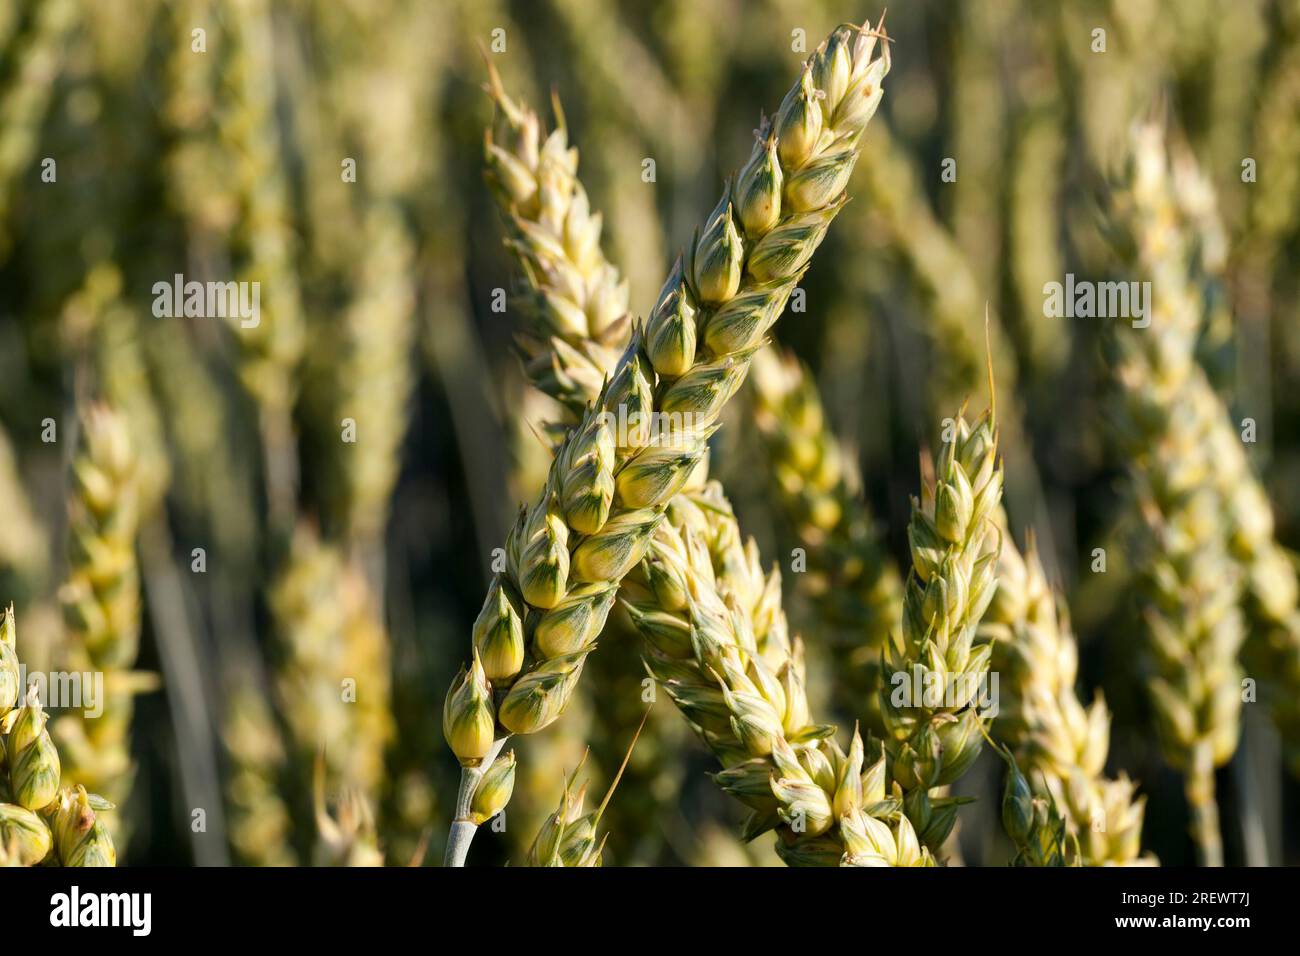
pixel 727 290
pixel 1169 426
pixel 1062 745
pixel 101 601
pixel 333 675
pixel 935 655
pixel 41 821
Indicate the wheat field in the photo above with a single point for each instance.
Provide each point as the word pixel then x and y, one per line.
pixel 608 433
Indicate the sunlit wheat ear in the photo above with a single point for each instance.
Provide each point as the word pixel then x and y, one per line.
pixel 954 545
pixel 546 556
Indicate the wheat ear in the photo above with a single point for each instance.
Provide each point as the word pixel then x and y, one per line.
pixel 1167 424
pixel 1271 588
pixel 1061 745
pixel 719 646
pixel 538 241
pixel 568 837
pixel 40 820
pixel 333 673
pixel 574 301
pixel 954 543
pixel 688 360
pixel 101 601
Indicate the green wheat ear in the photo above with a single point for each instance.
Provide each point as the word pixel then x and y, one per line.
pixel 719 268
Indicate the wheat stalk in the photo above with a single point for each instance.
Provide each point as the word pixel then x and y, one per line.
pixel 1169 427
pixel 850 576
pixel 1062 745
pixel 954 542
pixel 690 358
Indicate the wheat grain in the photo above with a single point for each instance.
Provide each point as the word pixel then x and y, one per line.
pixel 33 760
pixel 1062 745
pixel 954 543
pixel 80 837
pixel 850 575
pixel 25 839
pixel 735 288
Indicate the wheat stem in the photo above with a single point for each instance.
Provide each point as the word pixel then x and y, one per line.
pixel 463 827
pixel 1204 809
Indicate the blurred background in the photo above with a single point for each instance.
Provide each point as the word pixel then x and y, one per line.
pixel 272 553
